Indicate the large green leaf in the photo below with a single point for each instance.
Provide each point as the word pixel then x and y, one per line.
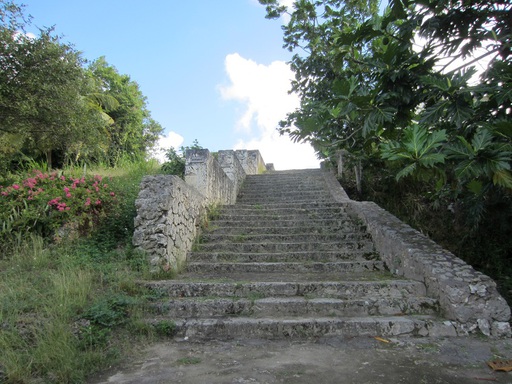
pixel 434 113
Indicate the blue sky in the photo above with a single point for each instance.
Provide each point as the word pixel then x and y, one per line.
pixel 212 70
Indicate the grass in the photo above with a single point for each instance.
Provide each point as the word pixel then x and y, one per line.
pixel 188 360
pixel 71 309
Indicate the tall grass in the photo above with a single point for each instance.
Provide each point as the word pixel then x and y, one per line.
pixel 68 309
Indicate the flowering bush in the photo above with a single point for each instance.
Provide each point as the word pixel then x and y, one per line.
pixel 46 202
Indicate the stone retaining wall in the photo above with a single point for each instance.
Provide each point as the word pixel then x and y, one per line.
pixel 467 297
pixel 168 217
pixel 170 211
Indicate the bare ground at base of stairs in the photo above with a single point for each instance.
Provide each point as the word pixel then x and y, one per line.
pixel 327 360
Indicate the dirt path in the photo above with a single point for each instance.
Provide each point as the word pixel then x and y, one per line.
pixel 328 360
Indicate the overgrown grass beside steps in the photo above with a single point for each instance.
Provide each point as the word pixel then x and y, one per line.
pixel 71 309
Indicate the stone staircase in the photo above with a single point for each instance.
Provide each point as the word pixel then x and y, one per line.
pixel 287 261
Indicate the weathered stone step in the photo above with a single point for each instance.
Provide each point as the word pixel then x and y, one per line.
pixel 289 196
pixel 277 220
pixel 287 267
pixel 364 246
pixel 304 257
pixel 281 176
pixel 283 211
pixel 343 290
pixel 283 189
pixel 286 204
pixel 296 306
pixel 215 228
pixel 300 328
pixel 285 222
pixel 215 238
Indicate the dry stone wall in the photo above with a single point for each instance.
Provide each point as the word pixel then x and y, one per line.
pixel 168 217
pixel 170 210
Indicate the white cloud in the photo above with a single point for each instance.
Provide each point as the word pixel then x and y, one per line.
pixel 263 90
pixel 164 143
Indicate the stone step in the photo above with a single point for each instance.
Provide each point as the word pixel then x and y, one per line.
pixel 296 306
pixel 362 246
pixel 300 328
pixel 287 286
pixel 274 218
pixel 217 237
pixel 285 222
pixel 277 220
pixel 280 176
pixel 290 196
pixel 304 257
pixel 283 189
pixel 285 267
pixel 284 205
pixel 226 228
pixel 283 211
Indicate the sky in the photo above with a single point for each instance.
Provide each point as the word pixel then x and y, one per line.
pixel 212 70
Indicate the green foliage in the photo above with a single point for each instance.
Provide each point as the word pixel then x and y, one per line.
pixel 419 150
pixel 176 161
pixel 109 311
pixel 54 109
pixel 165 328
pixel 132 130
pixel 484 158
pixel 68 309
pixel 175 164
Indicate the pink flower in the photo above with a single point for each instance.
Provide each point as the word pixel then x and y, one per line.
pixel 63 178
pixel 5 193
pixel 55 201
pixel 16 186
pixel 112 194
pixel 87 202
pixel 98 202
pixel 30 183
pixel 68 195
pixel 66 189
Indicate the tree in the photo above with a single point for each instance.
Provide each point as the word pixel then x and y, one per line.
pixel 54 109
pixel 365 83
pixel 132 132
pixel 42 110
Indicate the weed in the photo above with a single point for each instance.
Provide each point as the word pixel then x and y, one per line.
pixel 241 238
pixel 428 347
pixel 188 360
pixel 165 328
